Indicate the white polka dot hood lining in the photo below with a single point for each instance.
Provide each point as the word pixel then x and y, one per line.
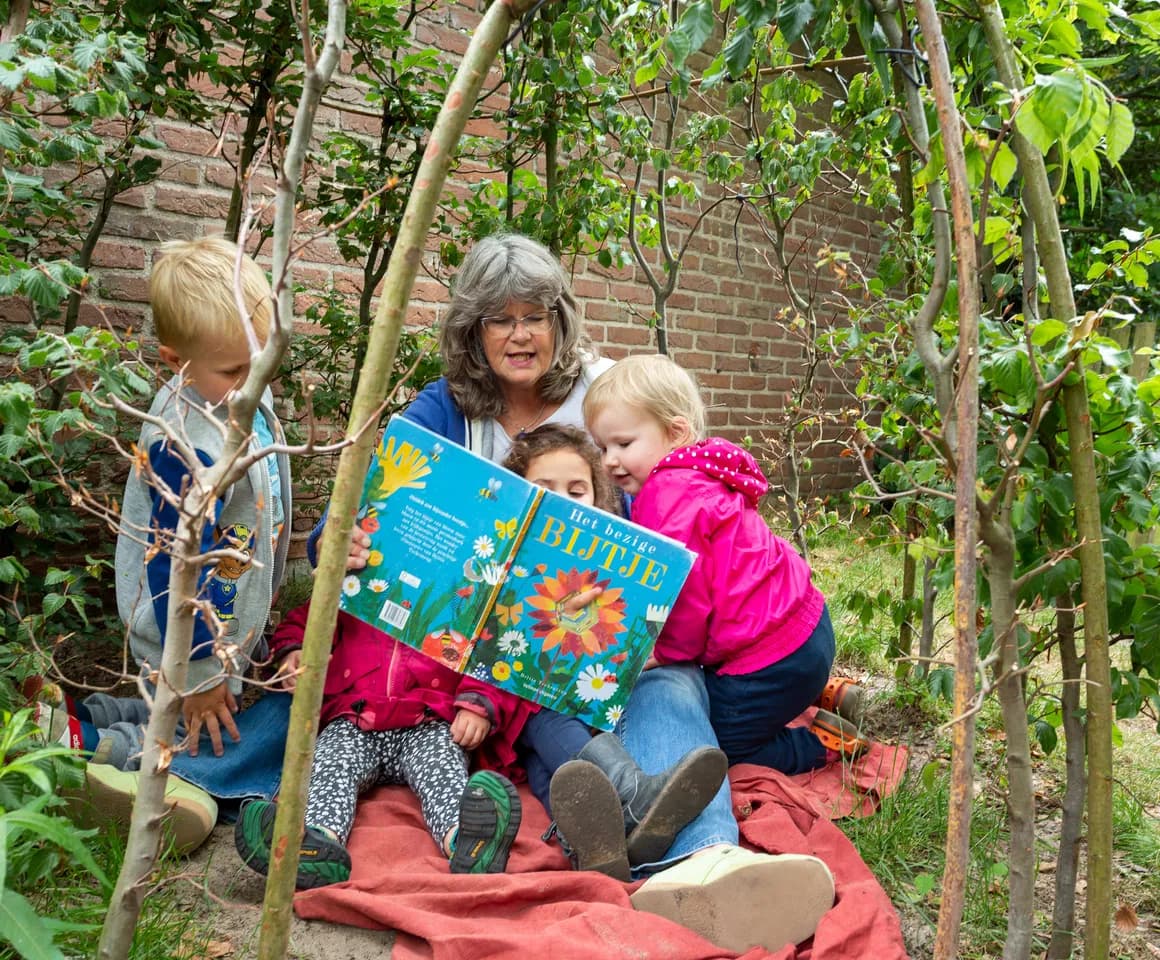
pixel 723 461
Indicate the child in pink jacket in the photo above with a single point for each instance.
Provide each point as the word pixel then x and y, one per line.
pixel 393 715
pixel 748 613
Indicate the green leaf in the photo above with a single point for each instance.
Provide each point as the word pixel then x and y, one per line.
pixel 1046 735
pixel 22 927
pixel 1029 124
pixel 1121 131
pixel 646 72
pixel 1003 166
pixel 1056 101
pixel 996 229
pixel 691 33
pixel 793 16
pixel 738 50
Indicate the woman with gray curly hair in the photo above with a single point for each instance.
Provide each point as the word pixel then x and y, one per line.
pixel 513 348
pixel 516 356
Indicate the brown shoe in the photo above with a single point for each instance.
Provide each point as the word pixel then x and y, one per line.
pixel 589 819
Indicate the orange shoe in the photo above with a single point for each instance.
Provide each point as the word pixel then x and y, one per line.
pixel 843 697
pixel 838 734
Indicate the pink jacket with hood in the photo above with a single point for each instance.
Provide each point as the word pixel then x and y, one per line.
pixel 378 683
pixel 749 601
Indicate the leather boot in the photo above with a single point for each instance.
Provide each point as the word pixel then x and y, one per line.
pixel 588 819
pixel 657 806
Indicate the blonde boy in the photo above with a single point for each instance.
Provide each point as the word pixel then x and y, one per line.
pixel 194 294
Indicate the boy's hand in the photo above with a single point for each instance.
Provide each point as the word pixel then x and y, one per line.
pixel 286 676
pixel 469 729
pixel 212 709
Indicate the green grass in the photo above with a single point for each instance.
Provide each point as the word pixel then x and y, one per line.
pixel 167 929
pixel 903 844
pixel 861 576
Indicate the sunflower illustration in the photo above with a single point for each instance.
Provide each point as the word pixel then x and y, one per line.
pixel 584 632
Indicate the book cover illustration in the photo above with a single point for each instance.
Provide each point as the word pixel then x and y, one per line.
pixel 475 567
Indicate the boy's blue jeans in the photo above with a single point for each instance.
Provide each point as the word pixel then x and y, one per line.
pixel 750 711
pixel 250 768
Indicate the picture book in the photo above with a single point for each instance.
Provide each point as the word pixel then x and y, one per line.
pixel 474 566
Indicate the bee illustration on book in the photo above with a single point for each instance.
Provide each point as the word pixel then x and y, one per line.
pixel 435 451
pixel 492 488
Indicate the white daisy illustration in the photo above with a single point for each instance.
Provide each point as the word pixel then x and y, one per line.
pixel 520 571
pixel 377 586
pixel 595 683
pixel 351 586
pixel 614 714
pixel 513 643
pixel 484 546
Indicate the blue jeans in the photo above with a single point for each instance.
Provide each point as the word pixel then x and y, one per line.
pixel 667 716
pixel 750 711
pixel 547 742
pixel 252 767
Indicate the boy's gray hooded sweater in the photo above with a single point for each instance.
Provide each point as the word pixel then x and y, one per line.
pixel 240 593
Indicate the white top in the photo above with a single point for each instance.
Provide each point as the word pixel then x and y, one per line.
pixel 486 438
pixel 570 413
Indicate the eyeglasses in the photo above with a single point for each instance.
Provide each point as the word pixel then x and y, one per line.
pixel 506 326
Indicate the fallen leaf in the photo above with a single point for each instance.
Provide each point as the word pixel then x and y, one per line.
pixel 1126 919
pixel 1155 950
pixel 1047 866
pixel 190 949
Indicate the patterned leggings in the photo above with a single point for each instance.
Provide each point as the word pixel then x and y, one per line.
pixel 349 761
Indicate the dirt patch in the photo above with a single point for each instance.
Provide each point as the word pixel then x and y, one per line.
pixel 229 895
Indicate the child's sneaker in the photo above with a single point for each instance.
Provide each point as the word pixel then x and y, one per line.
pixel 845 698
pixel 838 734
pixel 489 819
pixel 57 725
pixel 322 860
pixel 109 793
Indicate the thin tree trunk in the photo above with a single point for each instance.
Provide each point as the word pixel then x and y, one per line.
pixel 904 648
pixel 946 945
pixel 197 500
pixel 1040 202
pixel 929 594
pixel 114 184
pixel 551 142
pixel 149 806
pixel 384 338
pixel 1000 541
pixel 17 19
pixel 1067 861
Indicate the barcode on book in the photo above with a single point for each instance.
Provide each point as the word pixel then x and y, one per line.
pixel 395 614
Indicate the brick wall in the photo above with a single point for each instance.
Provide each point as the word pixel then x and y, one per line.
pixel 726 318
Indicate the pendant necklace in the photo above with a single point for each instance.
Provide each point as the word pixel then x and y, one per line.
pixel 522 432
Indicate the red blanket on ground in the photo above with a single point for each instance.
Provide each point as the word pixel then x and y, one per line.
pixel 542 910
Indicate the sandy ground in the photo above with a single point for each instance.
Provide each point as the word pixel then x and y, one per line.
pixel 231 894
